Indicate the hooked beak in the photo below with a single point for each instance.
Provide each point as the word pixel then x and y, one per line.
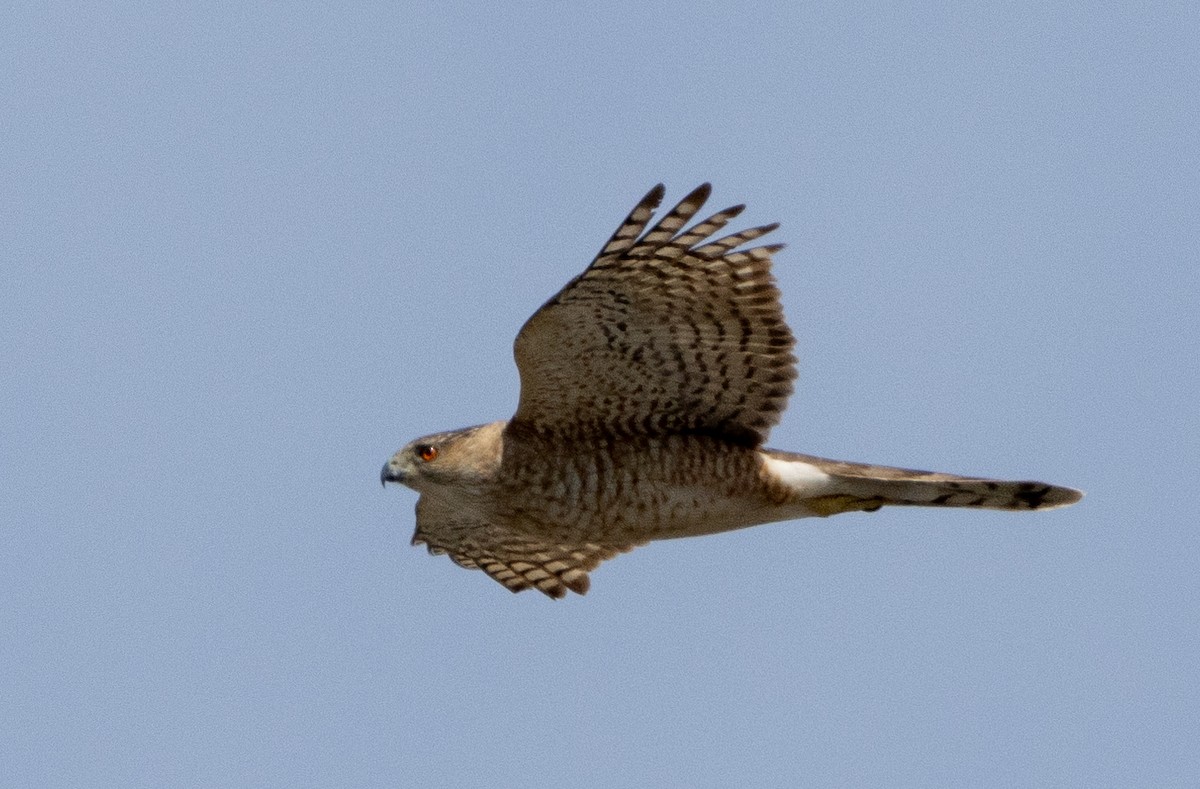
pixel 388 474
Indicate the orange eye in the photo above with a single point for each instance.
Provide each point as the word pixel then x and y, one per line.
pixel 427 452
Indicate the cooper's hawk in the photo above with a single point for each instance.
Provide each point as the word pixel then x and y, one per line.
pixel 648 385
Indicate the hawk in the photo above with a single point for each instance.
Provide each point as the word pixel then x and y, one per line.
pixel 648 386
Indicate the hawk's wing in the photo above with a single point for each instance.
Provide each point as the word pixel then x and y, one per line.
pixel 517 560
pixel 665 332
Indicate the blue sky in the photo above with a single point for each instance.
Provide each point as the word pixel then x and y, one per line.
pixel 248 252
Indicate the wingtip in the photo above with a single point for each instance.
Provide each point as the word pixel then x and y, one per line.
pixel 700 194
pixel 654 196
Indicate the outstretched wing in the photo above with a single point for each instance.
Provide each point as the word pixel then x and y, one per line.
pixel 665 332
pixel 517 560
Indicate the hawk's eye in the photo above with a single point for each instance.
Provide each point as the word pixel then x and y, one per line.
pixel 427 452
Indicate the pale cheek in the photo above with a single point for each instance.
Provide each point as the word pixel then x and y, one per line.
pixel 440 474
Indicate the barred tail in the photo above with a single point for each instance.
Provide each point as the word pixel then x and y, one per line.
pixel 990 494
pixel 861 486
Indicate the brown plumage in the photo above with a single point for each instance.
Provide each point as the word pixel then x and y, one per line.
pixel 648 386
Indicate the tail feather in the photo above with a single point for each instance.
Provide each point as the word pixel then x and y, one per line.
pixel 861 486
pixel 965 492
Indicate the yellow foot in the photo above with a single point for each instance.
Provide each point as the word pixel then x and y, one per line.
pixel 834 505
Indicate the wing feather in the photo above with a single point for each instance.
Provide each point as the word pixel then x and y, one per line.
pixel 661 334
pixel 518 560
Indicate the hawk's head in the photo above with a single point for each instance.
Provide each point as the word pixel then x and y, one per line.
pixel 458 458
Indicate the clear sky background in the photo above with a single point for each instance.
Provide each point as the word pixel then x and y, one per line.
pixel 249 252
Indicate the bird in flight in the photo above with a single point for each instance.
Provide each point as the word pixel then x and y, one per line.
pixel 648 386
